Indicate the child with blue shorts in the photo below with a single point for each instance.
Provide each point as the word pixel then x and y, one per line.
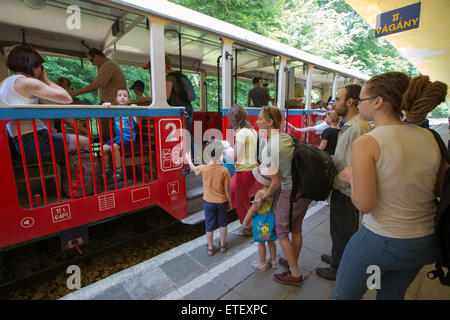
pixel 123 99
pixel 216 193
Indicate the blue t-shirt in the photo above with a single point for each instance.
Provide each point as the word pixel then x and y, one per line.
pixel 125 128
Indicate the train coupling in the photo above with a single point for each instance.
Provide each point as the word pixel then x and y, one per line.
pixel 76 243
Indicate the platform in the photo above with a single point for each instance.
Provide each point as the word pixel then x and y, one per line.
pixel 187 272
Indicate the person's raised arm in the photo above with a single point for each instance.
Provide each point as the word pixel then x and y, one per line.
pixel 45 89
pixel 187 157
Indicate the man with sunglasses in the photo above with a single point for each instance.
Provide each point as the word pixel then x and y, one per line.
pixel 110 77
pixel 344 217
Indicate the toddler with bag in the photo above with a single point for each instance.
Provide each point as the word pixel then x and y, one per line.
pixel 263 223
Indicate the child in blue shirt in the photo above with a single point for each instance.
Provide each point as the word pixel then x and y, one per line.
pixel 123 99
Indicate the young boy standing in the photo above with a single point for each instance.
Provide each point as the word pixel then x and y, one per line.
pixel 122 98
pixel 216 193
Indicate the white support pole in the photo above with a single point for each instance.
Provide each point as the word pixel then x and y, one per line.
pixel 308 87
pixel 202 92
pixel 158 70
pixel 282 83
pixel 334 89
pixel 291 82
pixel 227 74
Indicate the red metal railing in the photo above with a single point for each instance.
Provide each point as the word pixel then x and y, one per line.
pixel 50 188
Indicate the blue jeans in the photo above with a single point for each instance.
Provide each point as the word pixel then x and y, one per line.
pixel 29 145
pixel 399 262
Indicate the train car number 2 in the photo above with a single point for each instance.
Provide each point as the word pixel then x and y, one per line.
pixel 171 140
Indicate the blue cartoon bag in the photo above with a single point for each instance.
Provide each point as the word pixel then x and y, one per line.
pixel 264 225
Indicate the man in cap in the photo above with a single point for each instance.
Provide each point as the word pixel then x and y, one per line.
pixel 110 77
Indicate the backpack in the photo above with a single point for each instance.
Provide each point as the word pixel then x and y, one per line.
pixel 442 223
pixel 189 88
pixel 187 93
pixel 87 175
pixel 313 173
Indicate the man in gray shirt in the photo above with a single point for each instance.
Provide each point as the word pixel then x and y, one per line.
pixel 344 217
pixel 259 95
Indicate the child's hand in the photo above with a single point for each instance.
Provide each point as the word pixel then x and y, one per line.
pixel 133 105
pixel 106 104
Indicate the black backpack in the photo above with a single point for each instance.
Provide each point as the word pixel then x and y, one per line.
pixel 313 173
pixel 442 223
pixel 180 91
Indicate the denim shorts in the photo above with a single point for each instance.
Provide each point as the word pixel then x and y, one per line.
pixel 215 215
pixel 29 145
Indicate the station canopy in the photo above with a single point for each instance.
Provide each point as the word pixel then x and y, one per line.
pixel 426 47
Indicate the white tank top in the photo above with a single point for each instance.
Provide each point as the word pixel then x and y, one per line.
pixel 11 96
pixel 406 176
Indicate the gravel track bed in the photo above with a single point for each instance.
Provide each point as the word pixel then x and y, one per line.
pixel 46 253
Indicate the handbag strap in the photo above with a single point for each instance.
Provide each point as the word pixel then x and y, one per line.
pixel 444 152
pixel 273 202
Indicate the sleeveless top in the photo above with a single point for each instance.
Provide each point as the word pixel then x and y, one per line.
pixel 11 96
pixel 406 176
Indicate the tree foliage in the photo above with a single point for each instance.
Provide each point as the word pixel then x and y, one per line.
pixel 330 29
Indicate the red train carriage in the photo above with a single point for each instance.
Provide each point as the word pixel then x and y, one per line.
pixel 34 205
pixel 38 196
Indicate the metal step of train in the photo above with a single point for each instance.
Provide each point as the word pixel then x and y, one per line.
pixel 194 195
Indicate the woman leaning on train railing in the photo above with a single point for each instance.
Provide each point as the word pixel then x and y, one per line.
pixel 26 86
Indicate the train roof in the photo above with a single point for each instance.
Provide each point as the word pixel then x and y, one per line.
pixel 46 30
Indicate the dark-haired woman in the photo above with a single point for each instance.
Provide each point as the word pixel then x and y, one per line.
pixel 243 185
pixel 396 174
pixel 26 87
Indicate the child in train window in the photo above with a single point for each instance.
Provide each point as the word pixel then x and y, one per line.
pixel 122 98
pixel 216 193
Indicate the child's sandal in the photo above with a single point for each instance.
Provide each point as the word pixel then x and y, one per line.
pixel 260 266
pixel 274 263
pixel 223 248
pixel 211 252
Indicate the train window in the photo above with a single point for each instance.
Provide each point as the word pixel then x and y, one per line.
pixel 251 65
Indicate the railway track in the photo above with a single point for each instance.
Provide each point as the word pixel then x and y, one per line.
pixel 39 271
